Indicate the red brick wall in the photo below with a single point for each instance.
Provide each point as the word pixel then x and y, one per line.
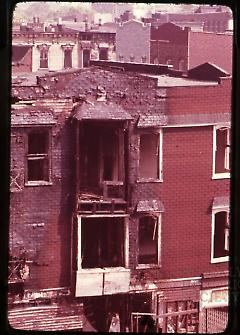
pixel 210 47
pixel 200 100
pixel 187 189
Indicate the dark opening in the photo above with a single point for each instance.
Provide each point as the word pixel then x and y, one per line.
pixel 148 240
pixel 103 54
pixel 67 59
pixel 44 58
pixel 86 57
pixel 38 156
pixel 102 242
pixel 222 150
pixel 220 231
pixel 149 156
pixel 101 155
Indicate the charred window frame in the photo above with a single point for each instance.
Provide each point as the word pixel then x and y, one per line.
pixel 149 241
pixel 150 150
pixel 220 236
pixel 38 157
pixel 221 152
pixel 100 250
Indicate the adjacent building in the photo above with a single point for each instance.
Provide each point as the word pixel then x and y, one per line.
pixel 120 198
pixel 173 45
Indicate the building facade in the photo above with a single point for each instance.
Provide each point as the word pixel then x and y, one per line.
pixel 174 45
pixel 119 196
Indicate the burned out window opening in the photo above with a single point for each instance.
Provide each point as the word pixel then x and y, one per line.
pixel 150 156
pixel 102 158
pixel 102 242
pixel 149 240
pixel 37 156
pixel 220 236
pixel 222 152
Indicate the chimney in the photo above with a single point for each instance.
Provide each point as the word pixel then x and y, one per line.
pixel 99 22
pixel 59 20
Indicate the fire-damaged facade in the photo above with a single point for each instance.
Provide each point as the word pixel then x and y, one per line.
pixel 120 198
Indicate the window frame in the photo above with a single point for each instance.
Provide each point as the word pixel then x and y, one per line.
pixel 159 178
pixel 214 212
pixel 44 49
pixel 158 218
pixel 48 155
pixel 125 239
pixel 221 175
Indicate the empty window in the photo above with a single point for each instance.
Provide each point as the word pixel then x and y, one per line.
pixel 44 58
pixel 149 162
pixel 67 58
pixel 148 240
pixel 169 61
pixel 103 54
pixel 222 150
pixel 220 234
pixel 144 59
pixel 156 61
pixel 102 241
pixel 38 156
pixel 86 57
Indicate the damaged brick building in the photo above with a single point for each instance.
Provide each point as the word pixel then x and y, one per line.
pixel 120 198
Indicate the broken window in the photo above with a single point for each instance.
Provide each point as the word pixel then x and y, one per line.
pixel 221 234
pixel 149 162
pixel 222 150
pixel 102 241
pixel 44 58
pixel 67 58
pixel 101 156
pixel 148 240
pixel 38 156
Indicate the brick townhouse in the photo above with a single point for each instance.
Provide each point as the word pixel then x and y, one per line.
pixel 55 47
pixel 120 198
pixel 168 43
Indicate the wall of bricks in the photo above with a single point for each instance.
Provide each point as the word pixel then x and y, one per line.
pixel 187 190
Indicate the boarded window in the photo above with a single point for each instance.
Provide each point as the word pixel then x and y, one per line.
pixel 148 240
pixel 67 59
pixel 222 150
pixel 38 156
pixel 221 235
pixel 44 58
pixel 102 242
pixel 149 156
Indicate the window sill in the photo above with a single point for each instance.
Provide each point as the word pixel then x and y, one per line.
pixel 103 270
pixel 149 180
pixel 38 183
pixel 147 266
pixel 220 260
pixel 221 176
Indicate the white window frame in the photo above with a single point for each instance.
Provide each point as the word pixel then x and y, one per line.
pixel 79 242
pixel 226 234
pixel 158 217
pixel 160 158
pixel 222 175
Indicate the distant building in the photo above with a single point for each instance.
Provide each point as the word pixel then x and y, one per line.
pixel 214 19
pixel 173 45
